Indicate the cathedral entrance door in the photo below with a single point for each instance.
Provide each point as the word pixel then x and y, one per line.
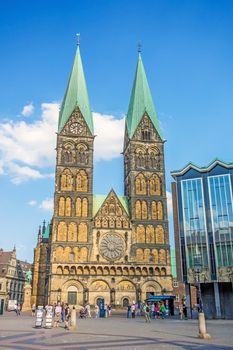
pixel 72 298
pixel 149 294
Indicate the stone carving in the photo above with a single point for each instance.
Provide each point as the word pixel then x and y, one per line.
pixel 162 256
pixel 139 255
pixel 112 247
pixel 125 286
pixel 99 286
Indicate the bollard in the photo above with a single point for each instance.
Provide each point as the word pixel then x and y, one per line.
pixel 73 324
pixel 202 326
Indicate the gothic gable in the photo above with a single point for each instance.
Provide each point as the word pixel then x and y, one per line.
pixel 112 213
pixel 76 125
pixel 146 131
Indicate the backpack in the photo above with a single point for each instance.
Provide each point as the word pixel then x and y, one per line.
pixel 147 309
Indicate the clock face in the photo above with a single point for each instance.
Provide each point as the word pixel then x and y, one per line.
pixel 76 128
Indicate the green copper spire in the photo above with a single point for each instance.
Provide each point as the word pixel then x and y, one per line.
pixel 76 95
pixel 141 101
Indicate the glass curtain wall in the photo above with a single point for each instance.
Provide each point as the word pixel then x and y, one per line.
pixel 194 221
pixel 222 218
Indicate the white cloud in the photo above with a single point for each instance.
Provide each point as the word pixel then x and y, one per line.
pixel 110 134
pixel 28 110
pixel 32 203
pixel 27 149
pixel 47 204
pixel 169 202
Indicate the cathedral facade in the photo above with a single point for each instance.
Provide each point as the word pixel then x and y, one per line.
pixel 105 246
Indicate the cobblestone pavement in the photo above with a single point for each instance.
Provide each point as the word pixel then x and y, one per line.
pixel 114 333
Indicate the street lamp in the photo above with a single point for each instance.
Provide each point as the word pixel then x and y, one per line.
pixel 197 268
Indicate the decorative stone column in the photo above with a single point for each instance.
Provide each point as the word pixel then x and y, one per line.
pixel 27 297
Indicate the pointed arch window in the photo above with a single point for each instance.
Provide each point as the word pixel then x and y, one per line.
pixel 66 180
pixel 138 210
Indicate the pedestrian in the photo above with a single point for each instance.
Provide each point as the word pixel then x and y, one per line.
pixel 57 317
pixel 18 309
pixel 146 310
pixel 88 310
pixel 67 313
pixel 162 310
pixel 97 310
pixel 129 311
pixel 133 309
pixel 157 310
pixel 109 310
pixel 33 309
pixel 181 312
pixel 62 312
pixel 185 312
pixel 106 311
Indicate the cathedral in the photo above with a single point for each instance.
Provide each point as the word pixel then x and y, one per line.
pixel 105 246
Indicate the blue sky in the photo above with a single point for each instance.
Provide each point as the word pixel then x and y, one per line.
pixel 187 50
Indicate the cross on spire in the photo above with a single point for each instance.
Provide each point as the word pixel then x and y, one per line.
pixel 139 47
pixel 78 39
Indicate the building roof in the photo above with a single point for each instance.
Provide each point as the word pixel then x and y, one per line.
pixel 76 95
pixel 46 232
pixel 141 101
pixel 98 200
pixel 203 169
pixel 4 261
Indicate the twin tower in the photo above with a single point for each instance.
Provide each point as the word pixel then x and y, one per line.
pixel 105 246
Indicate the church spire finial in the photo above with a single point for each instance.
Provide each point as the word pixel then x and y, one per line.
pixel 139 47
pixel 78 39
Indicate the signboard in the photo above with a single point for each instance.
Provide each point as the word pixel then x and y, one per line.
pixel 49 317
pixel 39 316
pixel 11 305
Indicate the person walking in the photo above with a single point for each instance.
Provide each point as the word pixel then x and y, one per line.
pixel 133 309
pixel 57 317
pixel 88 310
pixel 162 310
pixel 109 310
pixel 67 313
pixel 33 309
pixel 129 311
pixel 97 310
pixel 106 311
pixel 18 309
pixel 156 311
pixel 63 311
pixel 146 310
pixel 185 312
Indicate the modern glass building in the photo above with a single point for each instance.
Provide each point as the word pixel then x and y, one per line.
pixel 203 225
